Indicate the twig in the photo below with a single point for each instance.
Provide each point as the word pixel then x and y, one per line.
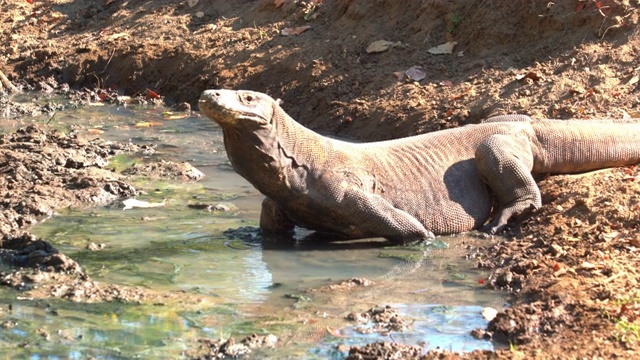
pixel 8 83
pixel 108 61
pixel 51 118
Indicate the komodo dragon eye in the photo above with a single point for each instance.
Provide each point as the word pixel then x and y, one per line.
pixel 248 98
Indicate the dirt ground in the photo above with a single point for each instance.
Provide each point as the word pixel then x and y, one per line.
pixel 571 268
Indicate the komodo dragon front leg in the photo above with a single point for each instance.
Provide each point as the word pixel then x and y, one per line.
pixel 505 163
pixel 273 219
pixel 372 214
pixel 367 214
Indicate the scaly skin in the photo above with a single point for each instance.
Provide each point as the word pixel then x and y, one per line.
pixel 409 189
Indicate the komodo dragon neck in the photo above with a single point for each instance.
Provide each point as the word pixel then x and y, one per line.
pixel 284 149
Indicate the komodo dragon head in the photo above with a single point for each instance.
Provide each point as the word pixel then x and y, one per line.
pixel 230 108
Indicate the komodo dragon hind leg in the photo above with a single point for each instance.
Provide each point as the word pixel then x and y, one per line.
pixel 273 219
pixel 505 163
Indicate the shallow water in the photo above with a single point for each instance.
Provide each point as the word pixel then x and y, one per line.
pixel 246 284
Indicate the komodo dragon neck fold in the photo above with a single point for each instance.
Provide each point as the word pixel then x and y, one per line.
pixel 437 183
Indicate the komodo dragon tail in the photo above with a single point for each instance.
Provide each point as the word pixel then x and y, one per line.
pixel 575 146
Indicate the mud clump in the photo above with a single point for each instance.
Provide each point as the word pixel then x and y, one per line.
pixel 166 170
pixel 385 320
pixel 44 170
pixel 231 348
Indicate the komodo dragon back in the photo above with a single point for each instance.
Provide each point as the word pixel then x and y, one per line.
pixel 409 189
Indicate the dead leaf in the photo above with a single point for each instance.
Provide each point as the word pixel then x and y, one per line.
pixel 192 3
pixel 152 95
pixel 415 73
pixel 467 91
pixel 169 115
pixel 108 2
pixel 294 30
pixel 399 75
pixel 334 332
pixel 117 36
pixel 530 75
pixel 278 3
pixel 135 203
pixel 489 313
pixel 587 266
pixel 55 16
pixel 446 48
pixel 145 124
pixel 379 46
pixel 633 80
pixel 95 131
pixel 447 83
pixel 634 114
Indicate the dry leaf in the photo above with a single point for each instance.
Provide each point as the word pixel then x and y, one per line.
pixel 415 73
pixel 278 3
pixel 633 80
pixel 168 115
pixel 489 313
pixel 587 266
pixel 134 203
pixel 55 16
pixel 468 91
pixel 399 75
pixel 118 36
pixel 192 3
pixel 334 332
pixel 95 131
pixel 152 95
pixel 294 30
pixel 634 114
pixel 446 48
pixel 530 75
pixel 379 46
pixel 145 124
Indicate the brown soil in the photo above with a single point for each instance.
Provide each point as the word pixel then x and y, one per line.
pixel 572 267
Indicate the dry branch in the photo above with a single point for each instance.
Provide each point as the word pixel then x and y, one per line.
pixel 4 81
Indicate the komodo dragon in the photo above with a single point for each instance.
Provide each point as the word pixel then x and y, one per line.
pixel 409 189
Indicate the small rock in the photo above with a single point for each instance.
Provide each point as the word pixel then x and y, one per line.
pixel 95 247
pixel 221 207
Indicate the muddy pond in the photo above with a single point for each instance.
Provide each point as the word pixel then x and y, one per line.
pixel 244 283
